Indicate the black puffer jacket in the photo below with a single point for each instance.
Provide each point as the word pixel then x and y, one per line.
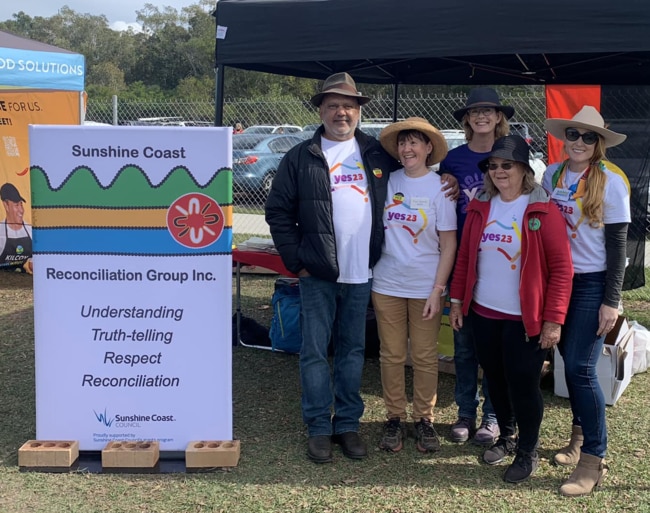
pixel 299 206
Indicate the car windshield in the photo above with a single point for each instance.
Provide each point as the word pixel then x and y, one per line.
pixel 258 130
pixel 246 142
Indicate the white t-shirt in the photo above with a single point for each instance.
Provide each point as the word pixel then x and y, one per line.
pixel 416 210
pixel 588 243
pixel 499 256
pixel 352 211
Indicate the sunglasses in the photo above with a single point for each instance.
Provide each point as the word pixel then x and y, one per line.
pixel 589 138
pixel 506 166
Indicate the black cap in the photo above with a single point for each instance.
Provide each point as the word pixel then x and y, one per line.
pixel 9 192
pixel 510 147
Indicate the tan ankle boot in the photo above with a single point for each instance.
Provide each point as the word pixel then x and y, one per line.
pixel 570 454
pixel 585 477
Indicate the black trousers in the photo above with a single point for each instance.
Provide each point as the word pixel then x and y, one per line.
pixel 513 366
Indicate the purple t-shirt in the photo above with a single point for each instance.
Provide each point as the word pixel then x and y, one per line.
pixel 463 164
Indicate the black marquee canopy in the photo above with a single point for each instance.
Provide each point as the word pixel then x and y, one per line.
pixel 459 42
pixel 440 42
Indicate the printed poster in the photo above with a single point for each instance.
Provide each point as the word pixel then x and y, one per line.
pixel 132 267
pixel 19 109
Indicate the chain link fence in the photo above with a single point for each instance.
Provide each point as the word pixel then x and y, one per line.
pixel 530 108
pixel 530 112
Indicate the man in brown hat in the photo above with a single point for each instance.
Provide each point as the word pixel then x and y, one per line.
pixel 325 213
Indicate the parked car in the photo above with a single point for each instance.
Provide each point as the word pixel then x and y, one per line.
pixel 255 159
pixel 272 129
pixel 523 129
pixel 454 138
pixel 372 129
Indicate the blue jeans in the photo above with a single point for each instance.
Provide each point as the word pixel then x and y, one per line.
pixel 581 348
pixel 335 311
pixel 466 368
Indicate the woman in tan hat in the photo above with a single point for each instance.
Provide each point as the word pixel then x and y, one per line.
pixel 511 288
pixel 409 281
pixel 593 196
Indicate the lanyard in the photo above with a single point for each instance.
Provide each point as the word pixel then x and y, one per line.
pixel 578 188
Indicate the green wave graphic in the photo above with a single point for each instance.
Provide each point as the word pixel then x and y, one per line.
pixel 130 188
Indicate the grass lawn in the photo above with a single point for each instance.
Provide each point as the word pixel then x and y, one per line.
pixel 274 475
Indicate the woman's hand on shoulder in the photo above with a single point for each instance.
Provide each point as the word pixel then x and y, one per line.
pixel 450 186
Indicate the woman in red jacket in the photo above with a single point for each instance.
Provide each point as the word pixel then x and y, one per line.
pixel 512 283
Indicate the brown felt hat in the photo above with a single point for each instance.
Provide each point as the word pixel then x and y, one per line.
pixel 339 83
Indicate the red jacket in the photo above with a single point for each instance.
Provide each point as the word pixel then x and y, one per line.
pixel 546 269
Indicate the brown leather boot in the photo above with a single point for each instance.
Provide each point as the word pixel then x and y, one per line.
pixel 589 473
pixel 570 454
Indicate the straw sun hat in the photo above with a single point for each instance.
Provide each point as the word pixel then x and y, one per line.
pixel 587 118
pixel 388 138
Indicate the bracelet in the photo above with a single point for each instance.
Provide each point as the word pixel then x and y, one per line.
pixel 441 287
pixel 454 300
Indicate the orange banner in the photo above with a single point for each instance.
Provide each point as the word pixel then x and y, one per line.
pixel 563 101
pixel 17 111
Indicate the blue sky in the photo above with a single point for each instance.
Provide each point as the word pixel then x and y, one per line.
pixel 119 12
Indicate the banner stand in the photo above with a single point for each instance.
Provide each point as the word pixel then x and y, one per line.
pixel 132 226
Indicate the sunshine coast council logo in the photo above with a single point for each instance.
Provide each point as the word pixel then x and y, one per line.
pixel 195 220
pixel 103 418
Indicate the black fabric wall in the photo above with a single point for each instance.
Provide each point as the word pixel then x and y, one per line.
pixel 627 110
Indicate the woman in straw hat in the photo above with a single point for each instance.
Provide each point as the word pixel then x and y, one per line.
pixel 593 196
pixel 511 287
pixel 409 281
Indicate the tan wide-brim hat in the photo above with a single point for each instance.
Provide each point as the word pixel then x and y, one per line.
pixel 587 118
pixel 388 138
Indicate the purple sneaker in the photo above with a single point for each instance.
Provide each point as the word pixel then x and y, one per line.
pixel 463 429
pixel 487 434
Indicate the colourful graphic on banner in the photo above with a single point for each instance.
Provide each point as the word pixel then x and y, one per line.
pixel 131 215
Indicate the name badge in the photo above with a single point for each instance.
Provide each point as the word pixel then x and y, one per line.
pixel 419 202
pixel 561 194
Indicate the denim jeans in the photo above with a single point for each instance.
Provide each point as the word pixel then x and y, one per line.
pixel 513 364
pixel 581 348
pixel 335 311
pixel 466 368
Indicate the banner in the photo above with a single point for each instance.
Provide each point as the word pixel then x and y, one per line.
pixel 564 101
pixel 17 111
pixel 58 70
pixel 132 283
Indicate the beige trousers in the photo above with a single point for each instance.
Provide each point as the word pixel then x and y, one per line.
pixel 398 321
